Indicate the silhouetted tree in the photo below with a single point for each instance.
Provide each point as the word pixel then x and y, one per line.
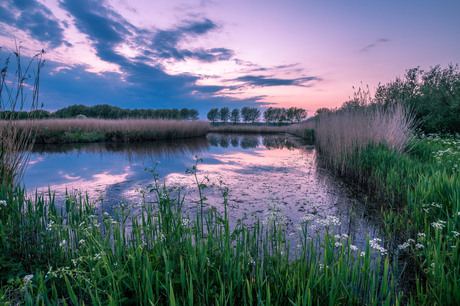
pixel 224 114
pixel 213 114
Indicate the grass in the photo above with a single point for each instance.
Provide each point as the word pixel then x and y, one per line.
pixel 100 130
pixel 416 180
pixel 76 253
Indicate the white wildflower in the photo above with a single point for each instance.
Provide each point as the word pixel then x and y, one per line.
pixel 410 240
pixel 337 237
pixel 375 246
pixel 98 256
pixel 419 246
pixel 62 243
pixel 362 254
pixel 456 234
pixel 307 217
pixel 81 241
pixel 353 247
pixel 338 244
pixel 2 203
pixel 437 225
pixel 421 235
pixel 403 246
pixel 28 278
pixel 185 222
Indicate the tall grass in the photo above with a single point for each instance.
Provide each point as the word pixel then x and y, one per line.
pixel 97 130
pixel 77 253
pixel 15 142
pixel 417 177
pixel 339 134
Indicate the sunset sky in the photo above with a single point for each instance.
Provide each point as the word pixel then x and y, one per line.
pixel 216 53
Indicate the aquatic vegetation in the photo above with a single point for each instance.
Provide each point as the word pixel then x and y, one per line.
pixel 78 253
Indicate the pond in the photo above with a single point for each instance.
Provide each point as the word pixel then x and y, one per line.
pixel 274 176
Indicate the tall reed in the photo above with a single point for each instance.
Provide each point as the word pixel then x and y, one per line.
pixel 15 142
pixel 97 130
pixel 339 134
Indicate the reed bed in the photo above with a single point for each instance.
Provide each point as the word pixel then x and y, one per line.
pixel 123 130
pixel 76 253
pixel 260 129
pixel 304 129
pixel 418 178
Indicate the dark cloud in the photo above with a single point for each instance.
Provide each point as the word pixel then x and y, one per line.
pixel 260 81
pixel 33 18
pixel 374 44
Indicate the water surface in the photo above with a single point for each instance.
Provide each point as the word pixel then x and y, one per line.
pixel 266 176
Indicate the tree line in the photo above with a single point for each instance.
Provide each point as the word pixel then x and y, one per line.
pixel 432 96
pixel 106 111
pixel 252 114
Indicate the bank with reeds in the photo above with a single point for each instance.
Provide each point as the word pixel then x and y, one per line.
pixel 416 182
pixel 101 130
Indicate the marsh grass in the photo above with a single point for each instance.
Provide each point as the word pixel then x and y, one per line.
pixel 417 178
pixel 76 253
pixel 15 143
pixel 99 130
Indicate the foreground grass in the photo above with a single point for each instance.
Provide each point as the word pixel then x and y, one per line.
pixel 419 180
pixel 154 254
pixel 101 130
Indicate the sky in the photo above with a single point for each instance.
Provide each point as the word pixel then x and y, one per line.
pixel 225 53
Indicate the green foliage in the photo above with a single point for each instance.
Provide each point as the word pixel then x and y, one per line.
pixel 235 115
pixel 106 111
pixel 250 114
pixel 213 114
pixel 224 114
pixel 155 254
pixel 280 115
pixel 433 95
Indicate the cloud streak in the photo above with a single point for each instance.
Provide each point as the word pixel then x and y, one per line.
pixel 374 44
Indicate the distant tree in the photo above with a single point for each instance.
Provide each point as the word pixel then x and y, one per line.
pixel 193 114
pixel 184 114
pixel 269 115
pixel 235 116
pixel 299 114
pixel 224 114
pixel 322 110
pixel 213 114
pixel 250 114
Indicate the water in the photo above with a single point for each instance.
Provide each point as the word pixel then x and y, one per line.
pixel 267 176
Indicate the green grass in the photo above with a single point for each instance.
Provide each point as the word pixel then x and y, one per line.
pixel 75 253
pixel 422 186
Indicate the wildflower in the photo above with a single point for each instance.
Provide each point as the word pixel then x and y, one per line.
pixel 62 243
pixel 421 235
pixel 403 246
pixel 456 234
pixel 2 203
pixel 28 278
pixel 98 256
pixel 307 217
pixel 344 236
pixel 81 241
pixel 362 254
pixel 185 222
pixel 337 237
pixel 374 245
pixel 410 240
pixel 329 221
pixel 353 247
pixel 419 246
pixel 208 262
pixel 437 225
pixel 338 244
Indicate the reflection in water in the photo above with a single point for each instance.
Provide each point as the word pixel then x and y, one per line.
pixel 263 173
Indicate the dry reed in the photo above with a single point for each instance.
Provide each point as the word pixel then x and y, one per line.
pixel 123 130
pixel 340 134
pixel 15 143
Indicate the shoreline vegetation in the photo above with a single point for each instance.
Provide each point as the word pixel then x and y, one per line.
pixel 153 253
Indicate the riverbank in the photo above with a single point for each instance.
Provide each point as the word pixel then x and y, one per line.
pixel 415 179
pixel 54 131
